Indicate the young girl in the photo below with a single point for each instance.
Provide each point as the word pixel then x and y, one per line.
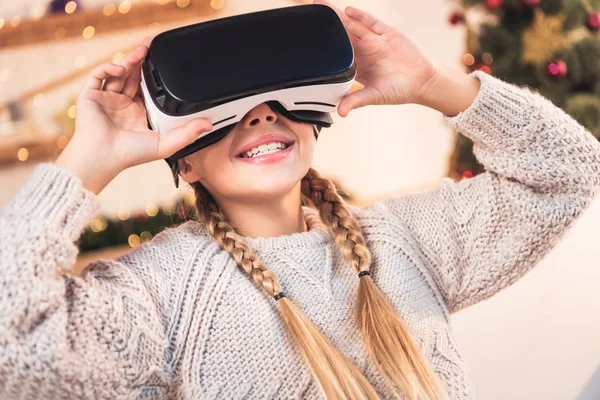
pixel 280 290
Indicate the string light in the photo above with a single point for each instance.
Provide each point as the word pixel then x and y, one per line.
pixel 183 3
pixel 80 61
pixel 133 240
pixel 123 215
pixel 99 224
pixel 62 141
pixel 189 198
pixel 468 59
pixel 23 154
pixel 71 111
pixel 217 4
pixel 124 7
pixel 163 2
pixel 117 57
pixel 70 7
pixel 109 9
pixel 60 33
pixel 4 75
pixel 145 236
pixel 15 21
pixel 89 32
pixel 151 209
pixel 153 27
pixel 487 58
pixel 38 99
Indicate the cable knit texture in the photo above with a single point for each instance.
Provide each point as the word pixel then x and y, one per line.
pixel 176 318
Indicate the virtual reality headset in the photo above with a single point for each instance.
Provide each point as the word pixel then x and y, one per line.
pixel 299 60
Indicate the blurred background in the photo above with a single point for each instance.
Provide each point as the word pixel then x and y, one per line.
pixel 537 339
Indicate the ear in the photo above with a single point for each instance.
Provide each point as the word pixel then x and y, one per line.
pixel 187 171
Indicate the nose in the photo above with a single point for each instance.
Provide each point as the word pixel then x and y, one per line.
pixel 261 114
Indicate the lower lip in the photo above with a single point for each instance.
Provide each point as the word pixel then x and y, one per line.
pixel 268 158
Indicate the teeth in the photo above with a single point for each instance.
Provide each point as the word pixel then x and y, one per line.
pixel 265 149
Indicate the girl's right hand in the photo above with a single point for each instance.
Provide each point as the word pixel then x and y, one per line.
pixel 111 132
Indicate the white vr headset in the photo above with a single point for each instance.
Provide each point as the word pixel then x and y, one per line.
pixel 299 60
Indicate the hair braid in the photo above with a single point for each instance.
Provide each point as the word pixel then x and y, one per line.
pixel 386 336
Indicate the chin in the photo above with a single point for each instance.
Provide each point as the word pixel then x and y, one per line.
pixel 277 182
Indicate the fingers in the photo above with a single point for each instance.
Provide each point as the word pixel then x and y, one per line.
pixel 368 20
pixel 178 138
pixel 130 62
pixel 102 72
pixel 359 98
pixel 132 83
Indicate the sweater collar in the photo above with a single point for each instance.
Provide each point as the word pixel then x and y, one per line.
pixel 317 235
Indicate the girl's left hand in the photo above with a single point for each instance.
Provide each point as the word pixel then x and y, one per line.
pixel 392 67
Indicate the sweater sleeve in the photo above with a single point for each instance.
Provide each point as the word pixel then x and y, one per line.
pixel 480 235
pixel 97 335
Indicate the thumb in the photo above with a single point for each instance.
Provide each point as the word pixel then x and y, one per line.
pixel 359 98
pixel 178 138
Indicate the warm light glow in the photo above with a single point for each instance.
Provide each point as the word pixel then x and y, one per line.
pixel 153 27
pixel 80 61
pixel 98 224
pixel 123 215
pixel 118 57
pixel 145 236
pixel 163 2
pixel 70 7
pixel 151 209
pixel 487 58
pixel 133 240
pixel 38 99
pixel 71 111
pixel 217 4
pixel 23 154
pixel 183 3
pixel 468 59
pixel 1 23
pixel 124 7
pixel 15 21
pixel 89 32
pixel 109 9
pixel 4 75
pixel 38 11
pixel 60 33
pixel 62 141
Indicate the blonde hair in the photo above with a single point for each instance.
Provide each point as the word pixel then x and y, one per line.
pixel 386 336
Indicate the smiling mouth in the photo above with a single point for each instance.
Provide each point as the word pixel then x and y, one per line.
pixel 263 150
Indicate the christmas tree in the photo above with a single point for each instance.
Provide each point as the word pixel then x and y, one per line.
pixel 551 46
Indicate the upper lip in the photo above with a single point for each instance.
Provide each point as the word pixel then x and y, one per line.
pixel 264 139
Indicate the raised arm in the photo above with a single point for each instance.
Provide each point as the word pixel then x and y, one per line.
pixel 100 335
pixel 480 235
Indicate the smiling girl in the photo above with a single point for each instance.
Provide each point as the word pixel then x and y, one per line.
pixel 279 289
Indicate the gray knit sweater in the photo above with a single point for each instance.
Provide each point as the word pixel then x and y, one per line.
pixel 177 318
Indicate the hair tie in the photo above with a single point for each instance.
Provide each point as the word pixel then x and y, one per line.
pixel 279 295
pixel 363 273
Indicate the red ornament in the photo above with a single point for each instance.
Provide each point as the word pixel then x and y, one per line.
pixel 482 67
pixel 456 17
pixel 141 217
pixel 532 3
pixel 592 21
pixel 467 174
pixel 557 69
pixel 494 4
